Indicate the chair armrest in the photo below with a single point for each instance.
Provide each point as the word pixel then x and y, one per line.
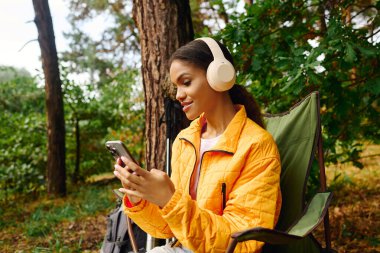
pixel 312 217
pixel 261 234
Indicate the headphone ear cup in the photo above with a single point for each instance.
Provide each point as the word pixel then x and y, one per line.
pixel 221 75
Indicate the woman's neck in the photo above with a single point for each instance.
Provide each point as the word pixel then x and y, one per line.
pixel 219 118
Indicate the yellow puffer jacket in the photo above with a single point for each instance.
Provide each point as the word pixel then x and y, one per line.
pixel 245 161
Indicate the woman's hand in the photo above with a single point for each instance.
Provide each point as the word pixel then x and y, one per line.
pixel 154 186
pixel 121 164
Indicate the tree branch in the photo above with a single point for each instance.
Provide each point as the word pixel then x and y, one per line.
pixel 368 156
pixel 357 14
pixel 373 34
pixel 357 82
pixel 26 44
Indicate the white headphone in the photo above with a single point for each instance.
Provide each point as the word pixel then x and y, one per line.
pixel 220 73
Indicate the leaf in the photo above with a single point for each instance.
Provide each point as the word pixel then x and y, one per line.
pixel 373 86
pixel 358 164
pixel 350 55
pixel 256 64
pixel 299 51
pixel 367 51
pixel 291 82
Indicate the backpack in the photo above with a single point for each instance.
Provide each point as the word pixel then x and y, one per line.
pixel 118 239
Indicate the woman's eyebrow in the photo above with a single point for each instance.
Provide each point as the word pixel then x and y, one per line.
pixel 181 75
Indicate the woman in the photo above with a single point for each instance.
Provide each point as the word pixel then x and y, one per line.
pixel 226 167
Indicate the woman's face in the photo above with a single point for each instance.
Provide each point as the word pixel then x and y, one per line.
pixel 193 91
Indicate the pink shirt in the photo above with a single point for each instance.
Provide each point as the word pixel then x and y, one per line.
pixel 206 144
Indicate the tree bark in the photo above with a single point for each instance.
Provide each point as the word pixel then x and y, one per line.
pixel 56 170
pixel 322 18
pixel 77 151
pixel 163 27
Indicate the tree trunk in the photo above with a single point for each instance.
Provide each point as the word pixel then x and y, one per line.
pixel 56 171
pixel 75 178
pixel 163 27
pixel 322 18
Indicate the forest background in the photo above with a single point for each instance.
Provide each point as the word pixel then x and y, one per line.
pixel 282 50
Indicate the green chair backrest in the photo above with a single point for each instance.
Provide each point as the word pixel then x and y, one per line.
pixel 295 133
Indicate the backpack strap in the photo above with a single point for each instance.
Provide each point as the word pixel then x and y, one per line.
pixel 125 226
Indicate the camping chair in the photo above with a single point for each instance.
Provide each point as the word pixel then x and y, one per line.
pixel 298 137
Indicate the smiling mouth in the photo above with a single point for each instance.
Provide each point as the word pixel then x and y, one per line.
pixel 186 106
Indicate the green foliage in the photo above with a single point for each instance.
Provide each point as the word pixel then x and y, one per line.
pixel 109 105
pixel 274 55
pixel 9 73
pixel 113 111
pixel 209 17
pixel 121 108
pixel 35 222
pixel 45 217
pixel 114 46
pixel 41 221
pixel 272 45
pixel 22 130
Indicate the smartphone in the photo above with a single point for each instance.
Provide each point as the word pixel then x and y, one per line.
pixel 118 149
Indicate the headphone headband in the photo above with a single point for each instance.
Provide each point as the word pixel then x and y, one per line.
pixel 214 47
pixel 220 72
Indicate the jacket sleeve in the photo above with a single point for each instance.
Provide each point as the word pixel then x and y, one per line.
pixel 252 201
pixel 147 215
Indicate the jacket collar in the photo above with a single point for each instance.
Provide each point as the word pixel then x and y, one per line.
pixel 228 141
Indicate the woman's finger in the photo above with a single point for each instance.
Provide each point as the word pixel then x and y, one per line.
pixel 134 167
pixel 131 192
pixel 129 163
pixel 132 199
pixel 126 182
pixel 123 170
pixel 122 190
pixel 125 173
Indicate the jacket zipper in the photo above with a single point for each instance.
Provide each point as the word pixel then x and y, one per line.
pixel 200 167
pixel 224 196
pixel 194 163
